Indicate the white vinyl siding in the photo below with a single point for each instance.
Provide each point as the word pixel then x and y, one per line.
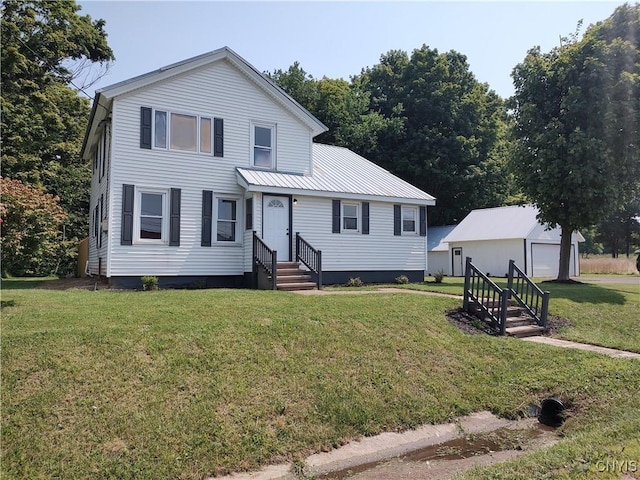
pixel 233 97
pixel 99 205
pixel 491 256
pixel 380 250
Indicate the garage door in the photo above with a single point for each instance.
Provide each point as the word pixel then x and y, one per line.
pixel 546 259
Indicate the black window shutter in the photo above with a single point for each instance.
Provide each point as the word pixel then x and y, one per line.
pixel 248 211
pixel 145 127
pixel 104 153
pixel 100 221
pixel 218 137
pixel 423 221
pixel 207 216
pixel 365 218
pixel 335 225
pixel 397 220
pixel 95 224
pixel 174 218
pixel 126 235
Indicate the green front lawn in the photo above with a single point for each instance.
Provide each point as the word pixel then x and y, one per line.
pixel 184 384
pixel 605 315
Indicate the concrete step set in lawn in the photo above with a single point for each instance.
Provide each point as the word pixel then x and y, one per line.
pixel 518 322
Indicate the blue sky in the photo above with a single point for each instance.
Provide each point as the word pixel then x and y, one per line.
pixel 336 39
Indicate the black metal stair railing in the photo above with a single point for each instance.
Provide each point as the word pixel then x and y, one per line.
pixel 311 257
pixel 483 296
pixel 528 295
pixel 266 259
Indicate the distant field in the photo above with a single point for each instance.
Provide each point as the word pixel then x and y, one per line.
pixel 606 264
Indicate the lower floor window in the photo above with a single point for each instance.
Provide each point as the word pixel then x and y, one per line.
pixel 350 216
pixel 409 219
pixel 227 220
pixel 152 216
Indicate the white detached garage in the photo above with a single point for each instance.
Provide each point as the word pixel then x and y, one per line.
pixel 493 236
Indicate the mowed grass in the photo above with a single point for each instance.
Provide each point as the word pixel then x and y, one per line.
pixel 605 315
pixel 186 384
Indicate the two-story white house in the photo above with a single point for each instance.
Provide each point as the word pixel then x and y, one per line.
pixel 191 159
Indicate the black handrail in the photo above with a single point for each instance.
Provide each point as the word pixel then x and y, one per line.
pixel 528 295
pixel 480 292
pixel 311 257
pixel 265 258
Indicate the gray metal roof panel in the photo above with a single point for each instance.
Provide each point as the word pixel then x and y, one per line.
pixel 496 223
pixel 435 237
pixel 339 170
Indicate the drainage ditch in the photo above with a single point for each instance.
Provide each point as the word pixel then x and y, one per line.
pixel 502 439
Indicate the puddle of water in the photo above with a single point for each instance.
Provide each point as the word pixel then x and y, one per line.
pixel 458 448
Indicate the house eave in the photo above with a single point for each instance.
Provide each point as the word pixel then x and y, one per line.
pixel 100 111
pixel 225 53
pixel 329 194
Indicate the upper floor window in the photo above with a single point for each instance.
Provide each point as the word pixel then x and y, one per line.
pixel 179 131
pixel 263 146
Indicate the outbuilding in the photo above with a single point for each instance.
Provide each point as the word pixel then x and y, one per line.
pixel 493 236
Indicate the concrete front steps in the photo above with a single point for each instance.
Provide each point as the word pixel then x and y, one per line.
pixel 292 278
pixel 520 324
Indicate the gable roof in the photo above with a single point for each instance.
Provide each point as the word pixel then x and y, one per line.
pixel 104 96
pixel 496 223
pixel 336 170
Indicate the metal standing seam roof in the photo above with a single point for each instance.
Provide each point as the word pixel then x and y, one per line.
pixel 337 170
pixel 435 238
pixel 496 223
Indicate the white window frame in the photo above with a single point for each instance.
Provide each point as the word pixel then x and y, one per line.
pixel 358 217
pixel 167 147
pixel 239 231
pixel 273 128
pixel 416 220
pixel 164 233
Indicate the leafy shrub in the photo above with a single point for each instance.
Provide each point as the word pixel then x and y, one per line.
pixel 402 279
pixel 355 282
pixel 149 282
pixel 438 276
pixel 30 237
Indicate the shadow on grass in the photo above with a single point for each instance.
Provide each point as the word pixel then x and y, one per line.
pixel 583 292
pixel 21 283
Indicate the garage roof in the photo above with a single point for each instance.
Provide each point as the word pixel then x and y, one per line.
pixel 500 223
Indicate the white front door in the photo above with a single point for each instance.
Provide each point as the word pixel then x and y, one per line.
pixel 456 255
pixel 275 225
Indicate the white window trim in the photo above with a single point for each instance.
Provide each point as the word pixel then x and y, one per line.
pixel 164 240
pixel 416 223
pixel 358 206
pixel 239 220
pixel 168 148
pixel 274 134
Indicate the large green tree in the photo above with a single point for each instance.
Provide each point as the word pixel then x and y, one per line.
pixel 446 131
pixel 576 112
pixel 341 105
pixel 45 46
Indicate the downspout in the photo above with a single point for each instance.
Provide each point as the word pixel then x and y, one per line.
pixel 525 258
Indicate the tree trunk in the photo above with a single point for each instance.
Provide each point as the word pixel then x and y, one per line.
pixel 565 253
